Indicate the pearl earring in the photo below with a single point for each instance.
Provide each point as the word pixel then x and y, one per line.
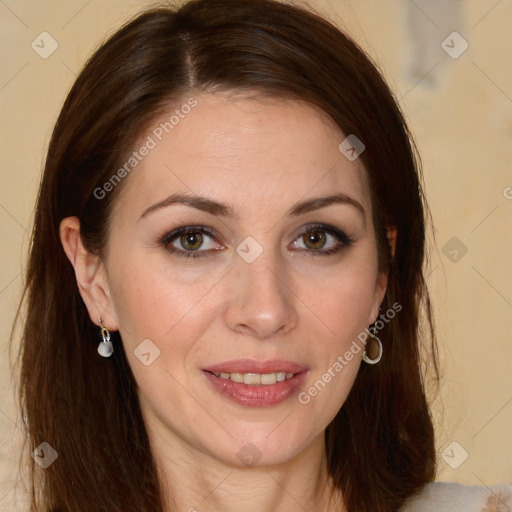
pixel 105 348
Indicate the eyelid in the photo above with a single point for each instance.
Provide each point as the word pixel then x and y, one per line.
pixel 321 227
pixel 175 233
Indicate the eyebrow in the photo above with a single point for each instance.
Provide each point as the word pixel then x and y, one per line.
pixel 225 210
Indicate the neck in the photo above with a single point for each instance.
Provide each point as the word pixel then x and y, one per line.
pixel 193 481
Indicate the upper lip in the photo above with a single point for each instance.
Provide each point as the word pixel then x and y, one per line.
pixel 253 366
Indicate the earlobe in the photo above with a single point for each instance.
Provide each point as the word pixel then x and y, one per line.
pixel 89 273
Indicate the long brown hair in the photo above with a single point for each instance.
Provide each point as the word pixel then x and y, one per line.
pixel 380 446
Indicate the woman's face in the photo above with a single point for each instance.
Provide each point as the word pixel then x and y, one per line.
pixel 265 281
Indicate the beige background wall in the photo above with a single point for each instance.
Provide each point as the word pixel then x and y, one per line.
pixel 460 110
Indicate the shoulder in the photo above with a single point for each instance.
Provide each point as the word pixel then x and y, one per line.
pixel 451 497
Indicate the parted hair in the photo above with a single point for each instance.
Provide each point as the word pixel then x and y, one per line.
pixel 380 445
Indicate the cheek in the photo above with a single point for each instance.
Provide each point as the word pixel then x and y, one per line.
pixel 161 315
pixel 343 297
pixel 341 307
pixel 153 300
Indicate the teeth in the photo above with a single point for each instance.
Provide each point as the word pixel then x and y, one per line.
pixel 255 379
pixel 265 378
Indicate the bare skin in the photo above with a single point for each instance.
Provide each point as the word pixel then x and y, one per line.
pixel 261 158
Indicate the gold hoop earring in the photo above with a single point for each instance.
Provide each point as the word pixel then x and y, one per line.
pixel 366 359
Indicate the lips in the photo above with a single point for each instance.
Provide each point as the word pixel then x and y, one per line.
pixel 256 383
pixel 256 395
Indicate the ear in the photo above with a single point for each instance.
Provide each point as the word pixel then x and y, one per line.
pixel 391 233
pixel 381 283
pixel 90 275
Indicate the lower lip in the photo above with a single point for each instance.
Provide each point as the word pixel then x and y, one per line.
pixel 257 396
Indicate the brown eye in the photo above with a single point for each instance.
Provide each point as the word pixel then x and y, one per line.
pixel 314 240
pixel 322 240
pixel 191 241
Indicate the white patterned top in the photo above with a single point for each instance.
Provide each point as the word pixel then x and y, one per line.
pixel 452 497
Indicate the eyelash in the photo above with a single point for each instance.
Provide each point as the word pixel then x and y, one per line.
pixel 344 239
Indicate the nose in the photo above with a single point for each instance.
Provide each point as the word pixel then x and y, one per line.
pixel 261 302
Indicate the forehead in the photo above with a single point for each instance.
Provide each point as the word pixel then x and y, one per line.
pixel 247 152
